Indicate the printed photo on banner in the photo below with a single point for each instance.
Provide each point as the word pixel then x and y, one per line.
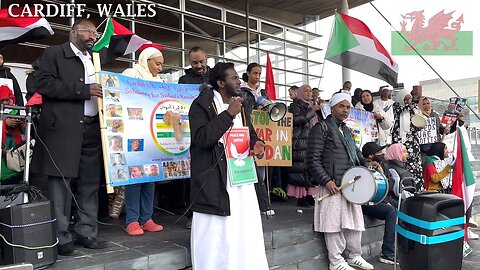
pixel 135 145
pixel 113 96
pixel 114 110
pixel 456 107
pixel 119 175
pixel 136 171
pixel 135 113
pixel 151 169
pixel 117 159
pixel 362 125
pixel 116 143
pixel 148 123
pixel 110 80
pixel 115 125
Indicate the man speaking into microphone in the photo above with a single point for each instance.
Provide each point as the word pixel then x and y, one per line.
pixel 227 228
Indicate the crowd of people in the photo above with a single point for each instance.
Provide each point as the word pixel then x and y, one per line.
pixel 225 220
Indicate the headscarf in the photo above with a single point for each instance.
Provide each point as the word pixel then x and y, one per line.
pixel 421 106
pixel 437 149
pixel 404 116
pixel 301 95
pixel 142 66
pixel 367 107
pixel 5 92
pixel 339 97
pixel 395 152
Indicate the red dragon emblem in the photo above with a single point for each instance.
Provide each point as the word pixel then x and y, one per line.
pixel 437 29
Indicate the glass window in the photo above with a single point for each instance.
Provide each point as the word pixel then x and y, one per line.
pixel 202 27
pixel 314 41
pixel 296 36
pixel 272 29
pixel 241 20
pixel 271 45
pixel 296 50
pixel 204 10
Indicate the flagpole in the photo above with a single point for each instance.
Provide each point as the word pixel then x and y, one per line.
pixel 423 58
pixel 328 45
pixel 98 68
pixel 345 71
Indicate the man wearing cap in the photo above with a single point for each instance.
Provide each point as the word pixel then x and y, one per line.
pixel 384 210
pixel 331 152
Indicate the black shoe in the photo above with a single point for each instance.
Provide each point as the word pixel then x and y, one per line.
pixel 91 243
pixel 67 250
pixel 301 202
pixel 310 200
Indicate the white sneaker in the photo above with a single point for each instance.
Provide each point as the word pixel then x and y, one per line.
pixel 471 235
pixel 472 223
pixel 360 263
pixel 341 266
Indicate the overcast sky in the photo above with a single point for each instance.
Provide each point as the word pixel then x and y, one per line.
pixel 412 69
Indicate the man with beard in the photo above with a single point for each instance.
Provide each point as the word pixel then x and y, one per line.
pixel 198 73
pixel 227 228
pixel 70 129
pixel 331 152
pixel 5 73
pixel 384 210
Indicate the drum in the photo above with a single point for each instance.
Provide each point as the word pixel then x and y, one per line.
pixel 370 188
pixel 419 120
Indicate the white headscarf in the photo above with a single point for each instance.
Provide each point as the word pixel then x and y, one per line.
pixel 142 66
pixel 405 116
pixel 339 97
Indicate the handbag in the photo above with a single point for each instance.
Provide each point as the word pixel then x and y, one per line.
pixel 16 157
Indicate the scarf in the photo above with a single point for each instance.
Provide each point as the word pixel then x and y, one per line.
pixel 15 132
pixel 394 152
pixel 367 107
pixel 142 66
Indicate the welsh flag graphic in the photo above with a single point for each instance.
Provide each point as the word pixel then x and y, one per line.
pixel 352 45
pixel 463 183
pixel 117 40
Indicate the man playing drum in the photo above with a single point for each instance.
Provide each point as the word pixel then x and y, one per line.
pixel 331 152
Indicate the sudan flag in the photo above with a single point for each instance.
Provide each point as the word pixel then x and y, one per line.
pixel 353 46
pixel 117 41
pixel 463 182
pixel 14 30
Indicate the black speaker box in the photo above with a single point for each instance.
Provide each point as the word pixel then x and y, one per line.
pixel 30 225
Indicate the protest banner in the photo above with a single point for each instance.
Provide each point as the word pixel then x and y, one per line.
pixel 240 163
pixel 147 129
pixel 277 136
pixel 455 107
pixel 361 123
pixel 429 133
pixel 451 139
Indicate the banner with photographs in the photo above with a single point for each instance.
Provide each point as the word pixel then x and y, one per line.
pixel 361 123
pixel 147 129
pixel 455 107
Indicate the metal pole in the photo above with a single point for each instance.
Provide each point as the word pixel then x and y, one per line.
pixel 345 71
pixel 247 17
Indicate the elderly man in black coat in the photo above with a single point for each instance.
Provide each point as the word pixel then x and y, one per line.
pixel 70 130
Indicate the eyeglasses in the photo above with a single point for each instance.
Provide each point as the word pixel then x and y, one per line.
pixel 90 32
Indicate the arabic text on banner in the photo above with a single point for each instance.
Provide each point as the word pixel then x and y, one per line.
pixel 147 129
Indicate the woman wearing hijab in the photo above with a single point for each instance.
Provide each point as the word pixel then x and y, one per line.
pixel 406 133
pixel 384 123
pixel 427 111
pixel 304 117
pixel 396 156
pixel 139 197
pixel 435 169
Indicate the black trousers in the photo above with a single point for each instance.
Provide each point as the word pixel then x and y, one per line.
pixel 86 192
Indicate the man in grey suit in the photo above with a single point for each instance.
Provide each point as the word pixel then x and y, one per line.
pixel 70 130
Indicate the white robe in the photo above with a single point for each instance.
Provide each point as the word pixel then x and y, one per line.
pixel 233 242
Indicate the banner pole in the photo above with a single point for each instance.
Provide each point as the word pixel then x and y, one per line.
pixel 98 68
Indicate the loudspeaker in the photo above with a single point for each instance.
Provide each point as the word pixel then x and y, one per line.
pixel 31 225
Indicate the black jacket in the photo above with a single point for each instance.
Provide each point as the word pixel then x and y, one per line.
pixel 60 81
pixel 191 77
pixel 17 92
pixel 302 115
pixel 208 185
pixel 327 156
pixel 250 102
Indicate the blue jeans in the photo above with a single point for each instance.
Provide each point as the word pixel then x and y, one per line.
pixel 139 202
pixel 387 212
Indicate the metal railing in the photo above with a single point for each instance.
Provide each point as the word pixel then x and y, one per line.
pixel 474 135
